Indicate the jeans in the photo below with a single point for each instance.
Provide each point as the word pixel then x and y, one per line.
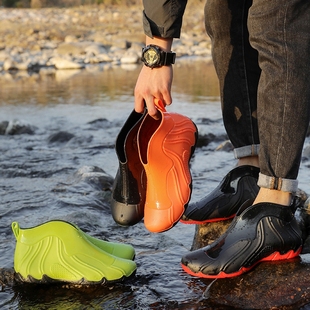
pixel 261 53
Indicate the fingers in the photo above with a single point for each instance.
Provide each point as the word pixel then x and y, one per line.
pixel 153 84
pixel 149 103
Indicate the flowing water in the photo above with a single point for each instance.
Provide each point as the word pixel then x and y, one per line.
pixel 49 172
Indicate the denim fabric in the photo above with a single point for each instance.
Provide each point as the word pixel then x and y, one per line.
pixel 261 52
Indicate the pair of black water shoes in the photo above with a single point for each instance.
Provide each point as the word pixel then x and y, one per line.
pixel 260 232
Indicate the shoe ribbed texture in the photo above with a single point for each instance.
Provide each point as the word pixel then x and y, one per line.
pixel 239 185
pixel 262 232
pixel 120 250
pixel 128 194
pixel 59 251
pixel 165 148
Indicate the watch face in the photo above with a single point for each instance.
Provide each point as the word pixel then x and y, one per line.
pixel 151 56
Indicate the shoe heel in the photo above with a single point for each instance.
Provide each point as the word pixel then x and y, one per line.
pixel 15 229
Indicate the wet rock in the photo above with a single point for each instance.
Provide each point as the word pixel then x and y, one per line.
pixel 79 141
pixel 96 177
pixel 7 277
pixel 3 126
pixel 206 139
pixel 17 127
pixel 99 123
pixel 94 183
pixel 60 137
pixel 226 146
pixel 277 285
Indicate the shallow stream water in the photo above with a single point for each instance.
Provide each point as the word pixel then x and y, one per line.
pixel 43 177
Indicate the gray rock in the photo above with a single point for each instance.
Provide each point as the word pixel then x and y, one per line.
pixel 72 48
pixel 63 63
pixel 17 127
pixel 95 49
pixel 60 137
pixel 9 64
pixel 130 57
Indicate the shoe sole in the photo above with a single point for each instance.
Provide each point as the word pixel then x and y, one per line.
pixel 47 280
pixel 276 256
pixel 208 221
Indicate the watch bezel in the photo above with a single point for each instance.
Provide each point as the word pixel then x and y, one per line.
pixel 165 58
pixel 158 52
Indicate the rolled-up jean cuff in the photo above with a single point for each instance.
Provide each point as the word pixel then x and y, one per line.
pixel 245 151
pixel 286 185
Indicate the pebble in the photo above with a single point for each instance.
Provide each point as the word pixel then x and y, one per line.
pixel 76 38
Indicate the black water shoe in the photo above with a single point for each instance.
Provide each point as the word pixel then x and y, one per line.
pixel 239 185
pixel 261 232
pixel 129 188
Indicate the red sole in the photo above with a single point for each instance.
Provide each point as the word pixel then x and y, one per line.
pixel 276 256
pixel 207 221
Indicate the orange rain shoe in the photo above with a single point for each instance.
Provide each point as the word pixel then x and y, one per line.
pixel 128 194
pixel 165 149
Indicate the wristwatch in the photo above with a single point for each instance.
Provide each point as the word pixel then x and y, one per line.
pixel 154 57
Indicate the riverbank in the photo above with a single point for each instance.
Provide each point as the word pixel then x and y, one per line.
pixel 52 39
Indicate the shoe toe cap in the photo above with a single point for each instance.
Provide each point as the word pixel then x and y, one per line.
pixel 159 220
pixel 196 261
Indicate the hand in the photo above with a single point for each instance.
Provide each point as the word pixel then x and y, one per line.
pixel 151 84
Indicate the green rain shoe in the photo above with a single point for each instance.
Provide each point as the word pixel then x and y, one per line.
pixel 58 251
pixel 120 250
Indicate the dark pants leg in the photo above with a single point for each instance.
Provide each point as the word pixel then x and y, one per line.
pixel 261 52
pixel 237 69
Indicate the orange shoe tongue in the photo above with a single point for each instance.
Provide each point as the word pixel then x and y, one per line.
pixel 160 105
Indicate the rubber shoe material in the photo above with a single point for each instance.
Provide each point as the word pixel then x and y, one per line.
pixel 120 250
pixel 128 193
pixel 165 148
pixel 58 251
pixel 262 232
pixel 239 185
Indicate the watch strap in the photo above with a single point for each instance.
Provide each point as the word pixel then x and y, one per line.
pixel 167 58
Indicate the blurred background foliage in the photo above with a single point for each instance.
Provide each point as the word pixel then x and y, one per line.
pixel 62 3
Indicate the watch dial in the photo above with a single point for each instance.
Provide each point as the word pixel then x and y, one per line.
pixel 151 56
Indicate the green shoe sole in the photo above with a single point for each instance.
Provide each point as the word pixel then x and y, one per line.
pixel 60 251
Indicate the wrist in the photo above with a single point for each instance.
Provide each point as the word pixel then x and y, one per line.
pixel 165 44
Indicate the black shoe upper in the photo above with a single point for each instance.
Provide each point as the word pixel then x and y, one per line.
pixel 239 185
pixel 255 233
pixel 128 193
